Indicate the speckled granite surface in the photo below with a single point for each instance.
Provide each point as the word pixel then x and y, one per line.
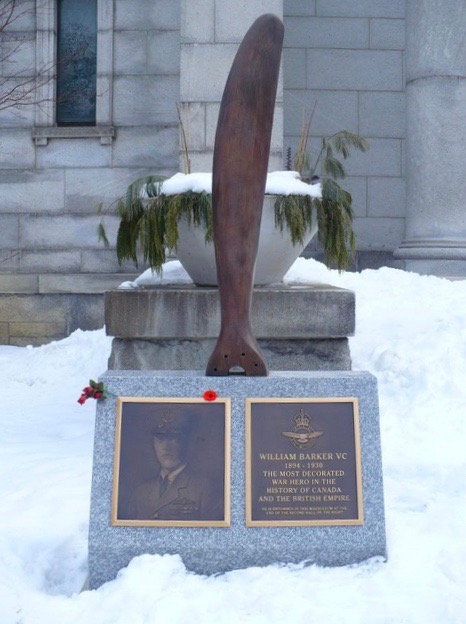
pixel 214 550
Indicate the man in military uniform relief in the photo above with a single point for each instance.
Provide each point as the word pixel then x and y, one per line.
pixel 178 493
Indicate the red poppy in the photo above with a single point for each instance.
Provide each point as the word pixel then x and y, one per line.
pixel 210 395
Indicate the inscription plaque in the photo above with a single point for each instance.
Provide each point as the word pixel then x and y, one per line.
pixel 303 462
pixel 171 463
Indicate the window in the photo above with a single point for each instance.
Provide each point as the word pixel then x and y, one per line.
pixel 74 45
pixel 76 62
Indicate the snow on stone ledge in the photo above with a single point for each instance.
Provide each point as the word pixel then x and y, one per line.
pixel 303 271
pixel 172 273
pixel 278 183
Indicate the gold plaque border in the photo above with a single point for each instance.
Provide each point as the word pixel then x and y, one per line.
pixel 357 449
pixel 116 467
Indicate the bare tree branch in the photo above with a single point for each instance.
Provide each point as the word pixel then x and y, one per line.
pixel 18 84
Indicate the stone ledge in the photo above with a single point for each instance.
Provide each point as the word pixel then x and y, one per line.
pixel 18 284
pixel 30 341
pixel 61 283
pixel 432 250
pixel 36 330
pixel 82 283
pixel 286 312
pixel 284 355
pixel 42 134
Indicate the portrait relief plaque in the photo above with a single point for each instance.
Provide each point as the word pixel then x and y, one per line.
pixel 171 463
pixel 303 462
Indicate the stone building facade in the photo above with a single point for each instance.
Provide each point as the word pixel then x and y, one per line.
pixel 385 69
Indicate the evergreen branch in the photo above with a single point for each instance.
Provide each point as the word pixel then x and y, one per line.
pixel 350 139
pixel 319 156
pixel 102 235
pixel 334 219
pixel 333 167
pixel 149 220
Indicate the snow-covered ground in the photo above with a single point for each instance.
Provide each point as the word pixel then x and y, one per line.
pixel 411 333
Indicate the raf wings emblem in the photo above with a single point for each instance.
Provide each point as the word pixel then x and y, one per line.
pixel 302 436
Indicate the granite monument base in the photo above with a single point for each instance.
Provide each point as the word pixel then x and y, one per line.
pixel 208 550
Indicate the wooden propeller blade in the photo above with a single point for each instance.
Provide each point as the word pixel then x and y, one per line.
pixel 241 156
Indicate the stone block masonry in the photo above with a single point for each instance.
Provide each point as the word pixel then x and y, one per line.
pixel 302 328
pixel 53 270
pixel 188 311
pixel 35 309
pixel 361 8
pixel 32 319
pixel 349 58
pixel 210 34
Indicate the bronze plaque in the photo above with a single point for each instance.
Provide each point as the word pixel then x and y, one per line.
pixel 303 463
pixel 172 463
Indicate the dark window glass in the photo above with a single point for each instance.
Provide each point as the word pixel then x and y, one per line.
pixel 77 62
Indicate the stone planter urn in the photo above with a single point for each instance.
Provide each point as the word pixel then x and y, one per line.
pixel 275 255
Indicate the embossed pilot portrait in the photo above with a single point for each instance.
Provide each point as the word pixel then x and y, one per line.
pixel 171 463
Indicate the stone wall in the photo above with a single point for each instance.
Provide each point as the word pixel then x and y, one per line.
pixel 52 179
pixel 211 31
pixel 349 57
pixel 33 319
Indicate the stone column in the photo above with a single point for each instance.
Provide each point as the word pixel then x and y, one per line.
pixel 211 31
pixel 436 138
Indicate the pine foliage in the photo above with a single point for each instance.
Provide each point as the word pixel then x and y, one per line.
pixel 334 211
pixel 102 235
pixel 334 216
pixel 295 213
pixel 149 220
pixel 335 222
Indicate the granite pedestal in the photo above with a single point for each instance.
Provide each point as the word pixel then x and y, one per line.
pixel 176 327
pixel 215 550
